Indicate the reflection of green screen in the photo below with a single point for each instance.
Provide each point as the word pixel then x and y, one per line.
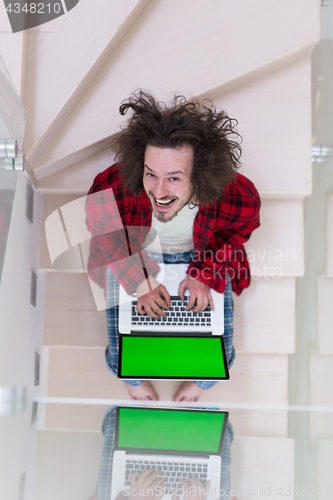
pixel 198 431
pixel 177 357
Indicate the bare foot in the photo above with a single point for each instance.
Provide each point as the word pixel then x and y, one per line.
pixel 188 391
pixel 142 391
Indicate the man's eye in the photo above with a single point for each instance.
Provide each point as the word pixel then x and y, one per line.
pixel 174 178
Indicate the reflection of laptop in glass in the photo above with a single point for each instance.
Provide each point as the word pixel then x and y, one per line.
pixel 181 443
pixel 178 321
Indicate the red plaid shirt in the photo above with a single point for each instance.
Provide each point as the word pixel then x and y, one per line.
pixel 119 222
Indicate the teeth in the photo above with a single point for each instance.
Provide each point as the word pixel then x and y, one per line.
pixel 163 202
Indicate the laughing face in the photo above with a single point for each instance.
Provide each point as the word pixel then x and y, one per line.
pixel 167 179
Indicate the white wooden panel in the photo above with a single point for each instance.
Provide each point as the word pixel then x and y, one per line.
pixel 18 438
pixel 55 236
pixel 75 417
pixel 21 325
pixel 260 466
pixel 325 314
pixel 255 423
pixel 264 314
pixel 265 317
pixel 75 221
pixel 272 152
pixel 77 178
pixel 329 236
pixel 321 425
pixel 254 379
pixel 52 203
pixel 321 376
pixel 193 52
pixel 325 467
pixel 324 106
pixel 259 423
pixel 71 317
pixel 65 54
pixel 276 156
pixel 82 372
pixel 276 248
pixel 11 50
pixel 67 464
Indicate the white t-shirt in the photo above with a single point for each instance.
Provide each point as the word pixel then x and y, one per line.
pixel 174 236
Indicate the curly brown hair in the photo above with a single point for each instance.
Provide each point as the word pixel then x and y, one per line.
pixel 216 155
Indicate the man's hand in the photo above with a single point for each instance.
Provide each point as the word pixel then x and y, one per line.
pixel 147 480
pixel 193 489
pixel 199 294
pixel 152 302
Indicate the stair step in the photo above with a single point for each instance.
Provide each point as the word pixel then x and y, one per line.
pixel 67 464
pixel 81 61
pixel 264 315
pixel 67 417
pixel 76 456
pixel 51 202
pixel 208 65
pixel 274 249
pixel 78 177
pixel 82 373
pixel 71 317
pixel 260 467
pixel 259 423
pixel 271 153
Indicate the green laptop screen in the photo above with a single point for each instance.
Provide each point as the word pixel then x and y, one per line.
pixel 177 357
pixel 153 429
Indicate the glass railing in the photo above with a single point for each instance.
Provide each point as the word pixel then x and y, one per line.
pixel 322 83
pixel 7 191
pixel 13 116
pixel 77 451
pixel 311 367
pixel 12 126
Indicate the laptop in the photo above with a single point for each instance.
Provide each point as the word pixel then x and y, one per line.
pixel 164 356
pixel 181 443
pixel 178 321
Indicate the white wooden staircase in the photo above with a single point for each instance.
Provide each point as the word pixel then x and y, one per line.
pixel 253 60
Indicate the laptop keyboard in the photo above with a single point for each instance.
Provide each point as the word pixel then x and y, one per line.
pixel 172 472
pixel 176 316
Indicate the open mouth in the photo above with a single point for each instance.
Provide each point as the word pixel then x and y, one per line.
pixel 164 204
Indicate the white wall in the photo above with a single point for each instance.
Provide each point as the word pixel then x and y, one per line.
pixel 21 323
pixel 20 337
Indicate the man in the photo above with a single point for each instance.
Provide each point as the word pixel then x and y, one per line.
pixel 176 177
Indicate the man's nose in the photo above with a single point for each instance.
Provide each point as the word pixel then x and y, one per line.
pixel 160 190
